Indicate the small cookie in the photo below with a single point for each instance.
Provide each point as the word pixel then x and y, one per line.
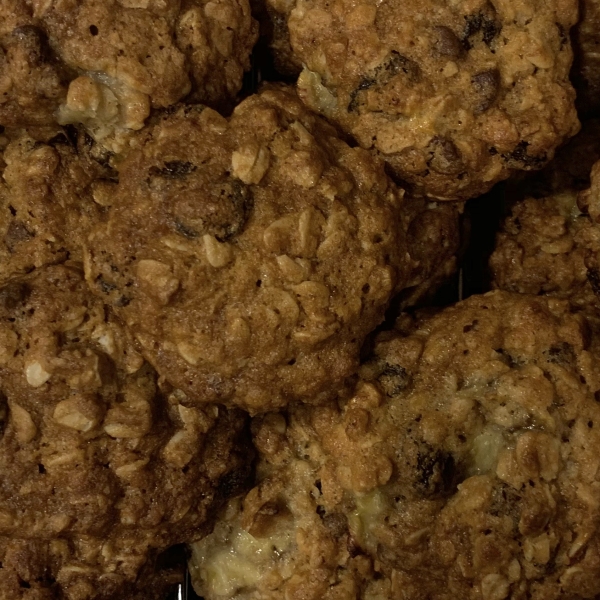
pixel 550 243
pixel 101 470
pixel 51 194
pixel 455 96
pixel 120 58
pixel 464 466
pixel 250 257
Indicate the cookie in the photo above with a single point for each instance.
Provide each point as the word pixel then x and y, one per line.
pixel 51 194
pixel 455 96
pixel 102 468
pixel 250 257
pixel 586 67
pixel 550 242
pixel 464 466
pixel 123 57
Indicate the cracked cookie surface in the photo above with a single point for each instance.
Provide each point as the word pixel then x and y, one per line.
pixel 464 466
pixel 102 469
pixel 455 96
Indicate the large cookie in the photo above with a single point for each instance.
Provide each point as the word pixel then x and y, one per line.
pixel 250 257
pixel 102 470
pixel 465 465
pixel 454 95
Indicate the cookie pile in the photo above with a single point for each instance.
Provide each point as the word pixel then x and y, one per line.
pixel 227 330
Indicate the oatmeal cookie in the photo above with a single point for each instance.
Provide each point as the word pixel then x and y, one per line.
pixel 102 470
pixel 454 95
pixel 586 67
pixel 125 56
pixel 465 465
pixel 250 257
pixel 51 193
pixel 550 243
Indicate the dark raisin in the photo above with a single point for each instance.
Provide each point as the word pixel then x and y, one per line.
pixel 593 276
pixel 520 159
pixel 486 84
pixel 104 285
pixel 34 42
pixel 483 23
pixel 393 379
pixel 561 354
pixel 173 169
pixel 437 472
pixel 445 156
pixel 446 43
pixel 13 294
pixel 16 233
pixel 337 523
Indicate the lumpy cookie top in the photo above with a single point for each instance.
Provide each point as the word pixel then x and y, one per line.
pixel 51 193
pixel 121 57
pixel 586 68
pixel 454 95
pixel 464 466
pixel 550 243
pixel 101 469
pixel 251 256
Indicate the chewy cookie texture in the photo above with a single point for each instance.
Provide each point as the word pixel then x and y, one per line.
pixel 550 243
pixel 250 257
pixel 463 466
pixel 102 468
pixel 455 96
pixel 106 64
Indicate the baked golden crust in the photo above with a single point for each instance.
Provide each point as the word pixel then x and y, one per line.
pixel 124 57
pixel 250 257
pixel 464 466
pixel 101 469
pixel 455 96
pixel 51 194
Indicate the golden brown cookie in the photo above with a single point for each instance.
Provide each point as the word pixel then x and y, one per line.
pixel 119 58
pixel 465 465
pixel 250 257
pixel 455 96
pixel 102 470
pixel 51 193
pixel 550 242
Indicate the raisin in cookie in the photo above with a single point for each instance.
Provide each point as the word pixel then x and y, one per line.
pixel 250 257
pixel 465 465
pixel 120 58
pixel 455 96
pixel 102 470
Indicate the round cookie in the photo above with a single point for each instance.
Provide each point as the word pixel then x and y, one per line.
pixel 550 244
pixel 464 466
pixel 51 193
pixel 122 57
pixel 250 257
pixel 455 96
pixel 102 470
